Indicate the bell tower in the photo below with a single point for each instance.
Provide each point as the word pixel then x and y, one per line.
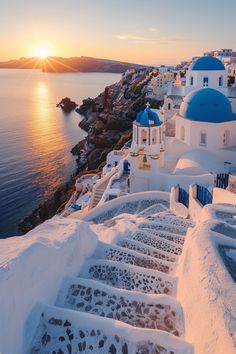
pixel 147 143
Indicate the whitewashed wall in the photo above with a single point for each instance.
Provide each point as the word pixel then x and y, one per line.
pixel 223 196
pixel 180 209
pixel 32 268
pixel 213 80
pixel 145 180
pixel 195 207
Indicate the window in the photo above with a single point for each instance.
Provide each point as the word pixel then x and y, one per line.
pixel 191 80
pixel 182 133
pixel 169 106
pixel 160 140
pixel 135 134
pixel 203 139
pixel 143 136
pixel 221 81
pixel 226 138
pixel 154 136
pixel 205 81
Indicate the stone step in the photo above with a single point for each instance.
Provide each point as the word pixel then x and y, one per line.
pixel 128 208
pixel 135 308
pixel 131 207
pixel 153 209
pixel 167 213
pixel 129 277
pixel 99 193
pixel 178 239
pixel 96 200
pixel 174 220
pixel 98 196
pixel 179 230
pixel 144 205
pixel 63 331
pixel 106 215
pixel 150 251
pixel 156 242
pixel 119 254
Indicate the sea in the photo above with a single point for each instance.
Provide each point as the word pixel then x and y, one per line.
pixel 36 137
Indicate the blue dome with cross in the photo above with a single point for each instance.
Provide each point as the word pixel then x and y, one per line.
pixel 207 105
pixel 148 118
pixel 207 63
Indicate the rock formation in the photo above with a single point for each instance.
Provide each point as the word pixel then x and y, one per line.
pixel 67 105
pixel 108 120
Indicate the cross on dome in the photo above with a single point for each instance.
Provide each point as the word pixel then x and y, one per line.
pixel 148 105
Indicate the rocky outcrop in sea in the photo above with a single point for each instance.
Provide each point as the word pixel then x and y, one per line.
pixel 67 105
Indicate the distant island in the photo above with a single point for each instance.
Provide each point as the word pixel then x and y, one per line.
pixel 74 64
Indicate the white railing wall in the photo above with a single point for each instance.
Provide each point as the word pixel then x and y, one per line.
pixel 223 196
pixel 195 207
pixel 129 198
pixel 179 208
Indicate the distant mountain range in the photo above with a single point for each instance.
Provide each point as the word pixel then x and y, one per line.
pixel 74 64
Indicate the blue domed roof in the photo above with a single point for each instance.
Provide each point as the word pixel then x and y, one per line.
pixel 207 63
pixel 207 105
pixel 148 118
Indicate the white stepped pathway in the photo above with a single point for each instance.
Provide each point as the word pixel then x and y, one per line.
pixel 120 254
pixel 139 310
pixel 157 242
pixel 173 220
pixel 164 226
pixel 169 236
pixel 132 207
pixel 154 209
pixel 167 216
pixel 129 277
pixel 145 249
pixel 123 301
pixel 63 331
pixel 149 207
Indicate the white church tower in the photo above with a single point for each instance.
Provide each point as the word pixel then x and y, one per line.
pixel 147 149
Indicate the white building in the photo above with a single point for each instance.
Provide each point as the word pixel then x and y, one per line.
pixel 147 143
pixel 226 55
pixel 205 71
pixel 159 85
pixel 204 142
pixel 206 120
pixel 207 123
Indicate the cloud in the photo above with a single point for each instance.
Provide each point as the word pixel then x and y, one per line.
pixel 178 39
pixel 153 29
pixel 142 39
pixel 129 37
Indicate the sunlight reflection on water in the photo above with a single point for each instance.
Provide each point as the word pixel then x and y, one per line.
pixel 36 137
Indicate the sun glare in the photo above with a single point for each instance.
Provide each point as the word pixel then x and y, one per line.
pixel 42 53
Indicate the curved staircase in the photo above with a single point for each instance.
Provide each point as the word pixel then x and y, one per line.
pixel 124 299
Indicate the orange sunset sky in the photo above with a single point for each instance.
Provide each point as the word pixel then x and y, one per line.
pixel 148 32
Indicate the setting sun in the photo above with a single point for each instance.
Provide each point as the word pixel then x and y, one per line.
pixel 42 53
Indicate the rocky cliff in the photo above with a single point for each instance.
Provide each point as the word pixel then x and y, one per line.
pixel 74 64
pixel 108 120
